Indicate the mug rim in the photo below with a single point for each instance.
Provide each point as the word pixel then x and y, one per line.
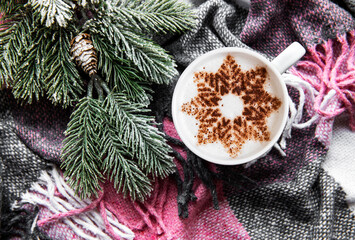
pixel 284 98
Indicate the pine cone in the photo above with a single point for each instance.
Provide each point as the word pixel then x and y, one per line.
pixel 84 53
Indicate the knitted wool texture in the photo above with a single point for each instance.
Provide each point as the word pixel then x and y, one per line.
pixel 19 167
pixel 288 198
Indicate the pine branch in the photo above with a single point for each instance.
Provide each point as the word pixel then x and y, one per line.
pixel 62 79
pixel 24 53
pixel 36 60
pixel 121 168
pixel 28 84
pixel 86 3
pixel 120 75
pixel 138 132
pixel 151 59
pixel 12 42
pixel 17 41
pixel 81 153
pixel 154 16
pixel 53 11
pixel 10 6
pixel 5 79
pixel 7 5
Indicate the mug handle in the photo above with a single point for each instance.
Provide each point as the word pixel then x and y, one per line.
pixel 288 57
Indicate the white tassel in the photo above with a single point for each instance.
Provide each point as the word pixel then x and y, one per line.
pixel 296 113
pixel 88 225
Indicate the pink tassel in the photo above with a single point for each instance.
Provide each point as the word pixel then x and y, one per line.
pixel 58 216
pixel 331 66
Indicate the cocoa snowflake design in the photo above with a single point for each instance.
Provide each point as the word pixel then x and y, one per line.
pixel 258 105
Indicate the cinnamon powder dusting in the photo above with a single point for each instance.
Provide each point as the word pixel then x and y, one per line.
pixel 249 86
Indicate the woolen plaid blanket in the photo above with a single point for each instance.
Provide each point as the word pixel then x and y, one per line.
pixel 301 190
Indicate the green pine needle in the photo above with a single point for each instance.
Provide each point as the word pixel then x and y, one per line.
pixel 81 150
pixel 5 76
pixel 62 79
pixel 118 163
pixel 25 63
pixel 36 60
pixel 110 136
pixel 10 6
pixel 5 81
pixel 121 76
pixel 154 16
pixel 151 59
pixel 138 132
pixel 53 11
pixel 87 3
pixel 28 85
pixel 13 41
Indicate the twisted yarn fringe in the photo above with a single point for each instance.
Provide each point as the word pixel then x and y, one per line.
pixel 330 69
pixel 306 93
pixel 295 111
pixel 327 76
pixel 52 192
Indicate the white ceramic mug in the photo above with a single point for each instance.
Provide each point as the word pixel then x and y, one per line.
pixel 192 126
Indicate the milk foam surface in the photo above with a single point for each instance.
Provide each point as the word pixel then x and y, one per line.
pixel 188 90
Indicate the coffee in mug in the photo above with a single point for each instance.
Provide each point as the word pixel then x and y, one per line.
pixel 230 106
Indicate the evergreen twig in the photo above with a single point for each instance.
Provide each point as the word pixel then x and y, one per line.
pixel 62 79
pixel 12 38
pixel 53 11
pixel 122 77
pixel 86 3
pixel 25 64
pixel 140 135
pixel 151 59
pixel 81 150
pixel 121 167
pixel 154 16
pixel 10 7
